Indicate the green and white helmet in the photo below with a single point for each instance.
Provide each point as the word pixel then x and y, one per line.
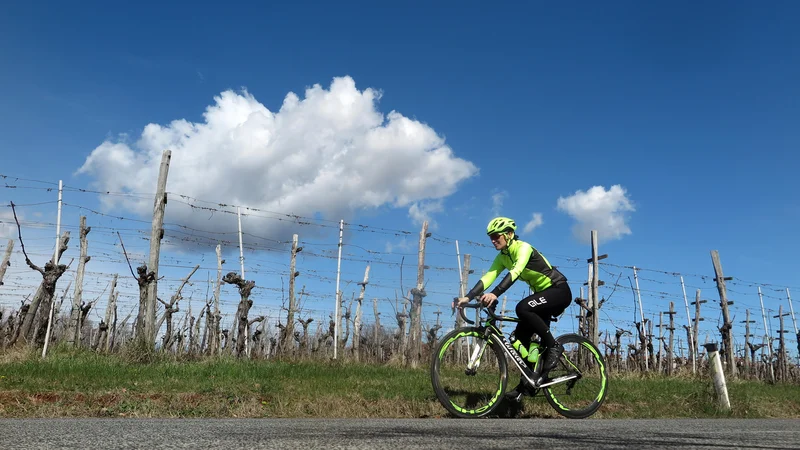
pixel 500 224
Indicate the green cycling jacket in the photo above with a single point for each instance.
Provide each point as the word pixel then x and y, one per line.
pixel 524 262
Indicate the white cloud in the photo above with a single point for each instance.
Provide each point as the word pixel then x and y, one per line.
pixel 598 209
pixel 422 211
pixel 8 228
pixel 402 246
pixel 497 202
pixel 330 154
pixel 536 220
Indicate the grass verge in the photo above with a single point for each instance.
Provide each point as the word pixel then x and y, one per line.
pixel 85 384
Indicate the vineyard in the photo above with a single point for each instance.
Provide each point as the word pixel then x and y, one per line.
pixel 150 291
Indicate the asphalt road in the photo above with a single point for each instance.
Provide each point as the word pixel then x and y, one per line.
pixel 394 434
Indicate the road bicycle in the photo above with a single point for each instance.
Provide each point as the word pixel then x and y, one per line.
pixel 470 382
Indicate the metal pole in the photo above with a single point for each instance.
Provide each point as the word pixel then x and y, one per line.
pixel 338 273
pixel 794 321
pixel 764 316
pixel 581 314
pixel 641 317
pixel 55 263
pixel 460 275
pixel 767 335
pixel 58 224
pixel 595 295
pixel 241 264
pixel 689 323
pixel 590 301
pixel 241 249
pixel 791 309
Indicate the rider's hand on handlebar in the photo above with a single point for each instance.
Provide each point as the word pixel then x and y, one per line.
pixel 488 298
pixel 461 301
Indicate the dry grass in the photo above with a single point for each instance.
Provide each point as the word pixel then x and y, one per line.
pixel 17 354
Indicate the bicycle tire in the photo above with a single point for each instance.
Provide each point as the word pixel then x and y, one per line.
pixel 598 400
pixel 440 390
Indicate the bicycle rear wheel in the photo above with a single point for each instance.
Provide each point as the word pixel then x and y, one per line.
pixel 581 397
pixel 468 373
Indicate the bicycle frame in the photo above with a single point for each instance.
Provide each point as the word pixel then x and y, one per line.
pixel 491 331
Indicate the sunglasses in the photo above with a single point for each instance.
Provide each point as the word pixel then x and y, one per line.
pixel 495 236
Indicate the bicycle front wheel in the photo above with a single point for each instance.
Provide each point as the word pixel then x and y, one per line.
pixel 469 373
pixel 584 368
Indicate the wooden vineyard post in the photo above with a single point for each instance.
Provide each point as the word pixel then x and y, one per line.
pixel 156 234
pixel 6 257
pixel 747 343
pixel 727 326
pixel 671 329
pixel 418 293
pixel 782 366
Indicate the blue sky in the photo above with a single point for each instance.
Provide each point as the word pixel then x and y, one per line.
pixel 691 108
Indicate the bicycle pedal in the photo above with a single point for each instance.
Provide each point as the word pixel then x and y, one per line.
pixel 515 398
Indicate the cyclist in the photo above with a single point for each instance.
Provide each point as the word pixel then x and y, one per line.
pixel 551 293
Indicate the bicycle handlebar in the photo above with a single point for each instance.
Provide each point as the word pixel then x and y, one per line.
pixel 489 309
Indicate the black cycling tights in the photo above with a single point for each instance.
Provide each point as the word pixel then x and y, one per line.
pixel 535 312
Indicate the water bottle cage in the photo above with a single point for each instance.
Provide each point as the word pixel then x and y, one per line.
pixel 531 354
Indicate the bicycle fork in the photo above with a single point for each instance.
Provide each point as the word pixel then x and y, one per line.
pixel 475 358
